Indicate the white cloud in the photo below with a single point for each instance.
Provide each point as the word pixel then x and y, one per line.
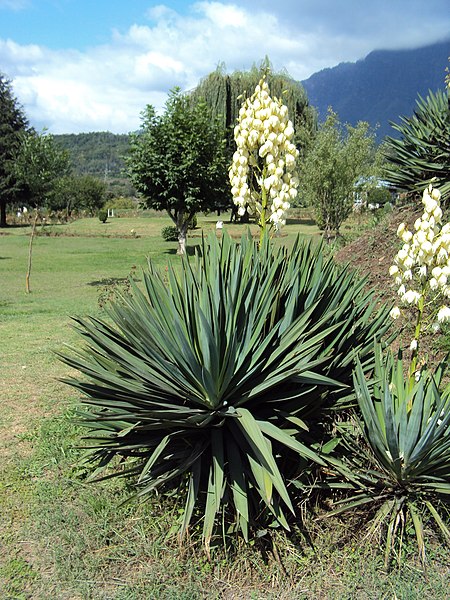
pixel 106 87
pixel 224 15
pixel 14 4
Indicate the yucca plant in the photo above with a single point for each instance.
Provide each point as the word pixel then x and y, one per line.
pixel 200 382
pixel 397 461
pixel 422 154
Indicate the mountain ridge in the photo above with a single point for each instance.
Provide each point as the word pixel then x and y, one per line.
pixel 381 87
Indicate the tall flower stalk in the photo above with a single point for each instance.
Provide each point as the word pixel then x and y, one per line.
pixel 262 173
pixel 422 270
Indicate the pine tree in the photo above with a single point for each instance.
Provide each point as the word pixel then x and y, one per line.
pixel 13 122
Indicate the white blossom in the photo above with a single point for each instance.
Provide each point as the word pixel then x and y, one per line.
pixel 263 137
pixel 443 314
pixel 411 297
pixel 413 345
pixel 395 312
pixel 422 264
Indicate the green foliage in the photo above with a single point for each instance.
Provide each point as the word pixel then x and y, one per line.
pixel 402 471
pixel 169 233
pixel 72 193
pixel 39 164
pixel 338 158
pixel 224 94
pixel 378 195
pixel 177 162
pixel 13 123
pixel 99 154
pixel 422 154
pixel 193 224
pixel 203 382
pixel 102 215
pixel 120 203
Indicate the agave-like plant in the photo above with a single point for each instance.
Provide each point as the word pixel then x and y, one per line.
pixel 397 461
pixel 200 382
pixel 422 154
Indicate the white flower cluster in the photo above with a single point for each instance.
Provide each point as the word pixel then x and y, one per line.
pixel 262 172
pixel 423 262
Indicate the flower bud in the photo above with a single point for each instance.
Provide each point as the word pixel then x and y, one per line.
pixel 413 345
pixel 435 194
pixel 433 283
pixel 395 312
pixel 443 314
pixel 407 236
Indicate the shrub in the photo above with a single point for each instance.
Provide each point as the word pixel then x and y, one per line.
pixel 378 196
pixel 169 233
pixel 102 215
pixel 402 471
pixel 203 383
pixel 121 203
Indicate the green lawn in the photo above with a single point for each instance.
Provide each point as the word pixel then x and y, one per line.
pixel 61 537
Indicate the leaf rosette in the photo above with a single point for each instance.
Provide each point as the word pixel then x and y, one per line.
pixel 206 379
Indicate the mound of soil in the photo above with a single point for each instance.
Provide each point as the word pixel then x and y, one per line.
pixel 371 255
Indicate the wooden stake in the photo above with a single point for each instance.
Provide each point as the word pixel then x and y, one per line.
pixel 30 249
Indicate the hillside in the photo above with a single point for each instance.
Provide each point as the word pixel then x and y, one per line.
pixel 378 89
pixel 99 154
pixel 381 87
pixel 371 255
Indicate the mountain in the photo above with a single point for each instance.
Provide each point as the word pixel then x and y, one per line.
pixel 100 154
pixel 381 87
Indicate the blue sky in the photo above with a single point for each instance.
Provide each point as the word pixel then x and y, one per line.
pixel 93 65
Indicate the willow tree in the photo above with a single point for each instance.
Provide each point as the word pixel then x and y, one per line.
pixel 224 94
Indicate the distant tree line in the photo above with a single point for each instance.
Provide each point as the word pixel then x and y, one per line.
pixel 166 161
pixel 99 154
pixel 36 171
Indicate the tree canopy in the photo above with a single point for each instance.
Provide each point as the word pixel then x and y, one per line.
pixel 224 94
pixel 38 164
pixel 177 161
pixel 13 123
pixel 78 192
pixel 340 156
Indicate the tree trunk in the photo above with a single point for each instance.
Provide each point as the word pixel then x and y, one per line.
pixel 2 213
pixel 182 235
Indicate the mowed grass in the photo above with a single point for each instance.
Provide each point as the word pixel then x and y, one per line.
pixel 61 537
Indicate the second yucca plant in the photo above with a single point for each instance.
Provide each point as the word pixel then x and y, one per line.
pixel 400 470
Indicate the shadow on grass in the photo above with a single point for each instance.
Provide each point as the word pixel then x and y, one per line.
pixel 190 250
pixel 109 281
pixel 15 226
pixel 300 222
